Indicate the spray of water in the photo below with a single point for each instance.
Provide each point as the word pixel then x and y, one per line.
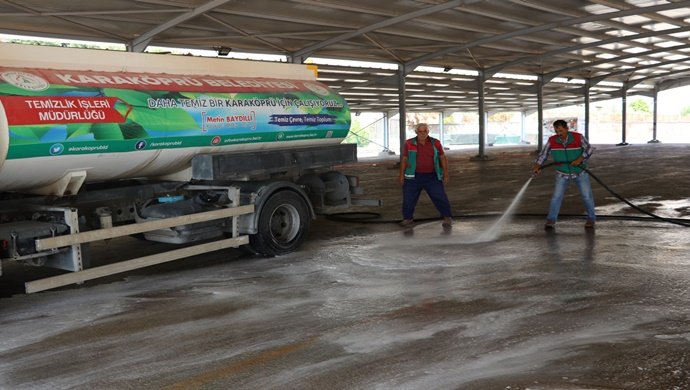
pixel 494 231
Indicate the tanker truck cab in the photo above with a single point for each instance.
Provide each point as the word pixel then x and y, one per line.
pixel 101 144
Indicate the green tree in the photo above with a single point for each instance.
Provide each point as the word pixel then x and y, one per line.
pixel 685 111
pixel 639 105
pixel 358 135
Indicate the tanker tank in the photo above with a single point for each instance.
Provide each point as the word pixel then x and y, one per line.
pixel 71 116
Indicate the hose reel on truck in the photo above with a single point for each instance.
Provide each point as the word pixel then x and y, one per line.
pixel 120 139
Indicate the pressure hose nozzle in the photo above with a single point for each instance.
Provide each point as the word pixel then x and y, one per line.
pixel 537 169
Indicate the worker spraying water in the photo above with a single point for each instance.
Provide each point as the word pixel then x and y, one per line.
pixel 570 151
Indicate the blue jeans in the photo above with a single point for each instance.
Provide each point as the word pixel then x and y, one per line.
pixel 562 182
pixel 412 189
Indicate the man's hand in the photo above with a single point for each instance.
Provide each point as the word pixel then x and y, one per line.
pixel 536 169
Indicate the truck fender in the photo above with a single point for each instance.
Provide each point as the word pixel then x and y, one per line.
pixel 260 193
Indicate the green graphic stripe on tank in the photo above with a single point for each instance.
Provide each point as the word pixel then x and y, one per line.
pixel 28 150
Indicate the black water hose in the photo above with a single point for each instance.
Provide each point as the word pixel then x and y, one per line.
pixel 622 199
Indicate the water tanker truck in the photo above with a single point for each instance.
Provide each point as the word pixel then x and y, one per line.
pixel 205 153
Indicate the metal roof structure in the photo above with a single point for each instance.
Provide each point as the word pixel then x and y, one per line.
pixel 518 49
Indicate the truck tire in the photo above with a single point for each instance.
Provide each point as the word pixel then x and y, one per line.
pixel 282 226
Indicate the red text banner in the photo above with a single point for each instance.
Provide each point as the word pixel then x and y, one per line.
pixel 37 110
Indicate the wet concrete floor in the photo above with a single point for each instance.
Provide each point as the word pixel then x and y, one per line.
pixel 370 305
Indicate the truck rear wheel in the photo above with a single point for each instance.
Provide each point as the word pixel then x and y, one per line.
pixel 283 224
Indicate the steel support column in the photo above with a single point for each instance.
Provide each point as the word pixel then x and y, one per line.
pixel 654 140
pixel 588 85
pixel 482 118
pixel 624 116
pixel 401 106
pixel 540 113
pixel 386 136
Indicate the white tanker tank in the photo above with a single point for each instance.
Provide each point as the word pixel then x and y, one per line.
pixel 69 116
pixel 100 144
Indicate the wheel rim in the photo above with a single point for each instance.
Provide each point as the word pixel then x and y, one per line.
pixel 285 222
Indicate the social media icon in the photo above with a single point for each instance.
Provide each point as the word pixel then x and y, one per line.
pixel 56 149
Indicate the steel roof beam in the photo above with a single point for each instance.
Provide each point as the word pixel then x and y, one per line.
pixel 33 12
pixel 139 43
pixel 666 84
pixel 596 80
pixel 551 75
pixel 495 69
pixel 305 52
pixel 242 32
pixel 562 23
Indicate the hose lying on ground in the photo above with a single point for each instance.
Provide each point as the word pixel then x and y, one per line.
pixel 622 199
pixel 676 221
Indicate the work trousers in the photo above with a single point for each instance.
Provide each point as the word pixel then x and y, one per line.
pixel 429 182
pixel 583 184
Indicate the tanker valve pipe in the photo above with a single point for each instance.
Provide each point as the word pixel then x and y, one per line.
pixel 105 217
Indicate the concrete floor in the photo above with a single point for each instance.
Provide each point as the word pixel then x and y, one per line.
pixel 489 304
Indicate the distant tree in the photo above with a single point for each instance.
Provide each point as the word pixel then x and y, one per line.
pixel 470 117
pixel 414 118
pixel 358 135
pixel 33 42
pixel 76 45
pixel 500 117
pixel 639 105
pixel 685 111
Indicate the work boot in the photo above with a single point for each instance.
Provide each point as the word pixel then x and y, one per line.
pixel 406 222
pixel 549 225
pixel 447 222
pixel 589 224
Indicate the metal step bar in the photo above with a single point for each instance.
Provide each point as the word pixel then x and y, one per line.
pixel 128 265
pixel 76 239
